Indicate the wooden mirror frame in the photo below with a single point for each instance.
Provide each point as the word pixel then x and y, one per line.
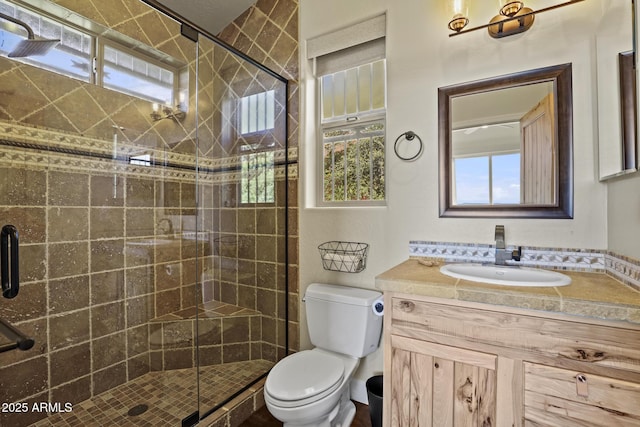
pixel 560 75
pixel 628 109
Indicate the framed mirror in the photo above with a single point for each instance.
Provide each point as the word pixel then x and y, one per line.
pixel 616 83
pixel 506 146
pixel 628 111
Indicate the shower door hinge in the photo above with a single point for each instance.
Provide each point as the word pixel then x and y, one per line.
pixel 191 420
pixel 94 65
pixel 189 32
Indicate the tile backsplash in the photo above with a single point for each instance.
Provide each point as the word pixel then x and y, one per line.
pixel 622 268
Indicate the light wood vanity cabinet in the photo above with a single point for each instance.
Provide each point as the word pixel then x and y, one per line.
pixel 458 364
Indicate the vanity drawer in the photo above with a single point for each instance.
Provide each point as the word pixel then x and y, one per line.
pixel 606 346
pixel 563 398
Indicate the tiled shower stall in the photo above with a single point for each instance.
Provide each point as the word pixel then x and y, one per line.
pixel 154 281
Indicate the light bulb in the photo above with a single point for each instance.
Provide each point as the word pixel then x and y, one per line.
pixel 459 9
pixel 510 7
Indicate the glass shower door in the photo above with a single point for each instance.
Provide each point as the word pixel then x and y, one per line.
pixel 242 218
pixel 98 175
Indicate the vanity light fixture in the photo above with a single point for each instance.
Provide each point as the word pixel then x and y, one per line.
pixel 460 11
pixel 513 18
pixel 166 112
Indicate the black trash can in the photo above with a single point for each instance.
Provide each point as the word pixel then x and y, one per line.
pixel 374 393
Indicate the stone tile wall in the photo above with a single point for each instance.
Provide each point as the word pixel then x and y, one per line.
pixel 268 32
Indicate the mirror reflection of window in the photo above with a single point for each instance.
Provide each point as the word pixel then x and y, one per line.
pixel 487 180
pixel 492 135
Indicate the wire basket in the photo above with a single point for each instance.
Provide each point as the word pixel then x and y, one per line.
pixel 347 257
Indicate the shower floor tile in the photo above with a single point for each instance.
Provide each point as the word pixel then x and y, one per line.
pixel 169 395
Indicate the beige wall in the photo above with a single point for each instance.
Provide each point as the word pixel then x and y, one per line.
pixel 420 58
pixel 623 206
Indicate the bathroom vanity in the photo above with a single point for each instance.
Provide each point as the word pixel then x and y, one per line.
pixel 459 353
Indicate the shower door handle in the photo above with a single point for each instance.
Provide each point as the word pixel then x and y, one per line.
pixel 9 261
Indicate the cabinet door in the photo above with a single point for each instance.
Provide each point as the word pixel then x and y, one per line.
pixel 433 385
pixel 563 398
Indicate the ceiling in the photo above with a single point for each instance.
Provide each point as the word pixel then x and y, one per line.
pixel 211 15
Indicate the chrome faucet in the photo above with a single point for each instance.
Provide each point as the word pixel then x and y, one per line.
pixel 502 254
pixel 168 229
pixel 500 237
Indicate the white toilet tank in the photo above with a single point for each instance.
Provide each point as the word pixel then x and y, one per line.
pixel 342 319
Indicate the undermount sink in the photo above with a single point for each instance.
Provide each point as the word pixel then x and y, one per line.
pixel 505 275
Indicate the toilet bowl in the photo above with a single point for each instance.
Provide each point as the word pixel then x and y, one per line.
pixel 312 387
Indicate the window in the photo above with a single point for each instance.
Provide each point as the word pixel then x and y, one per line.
pixel 71 57
pixel 352 105
pixel 257 179
pixel 353 163
pixel 128 73
pixel 257 112
pixel 140 160
pixel 491 179
pixel 83 55
pixel 350 71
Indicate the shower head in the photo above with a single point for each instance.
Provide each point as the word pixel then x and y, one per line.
pixel 31 46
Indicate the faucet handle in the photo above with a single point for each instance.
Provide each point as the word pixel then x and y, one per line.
pixel 516 254
pixel 499 237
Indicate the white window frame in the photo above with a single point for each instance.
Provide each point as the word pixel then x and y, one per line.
pixel 355 45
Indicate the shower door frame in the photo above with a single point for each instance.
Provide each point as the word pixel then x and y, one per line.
pixel 193 31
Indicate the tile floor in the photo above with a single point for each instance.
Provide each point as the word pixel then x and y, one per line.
pixel 169 395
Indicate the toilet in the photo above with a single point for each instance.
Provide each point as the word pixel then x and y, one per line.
pixel 311 387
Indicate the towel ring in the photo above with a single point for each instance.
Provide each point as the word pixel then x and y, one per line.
pixel 409 136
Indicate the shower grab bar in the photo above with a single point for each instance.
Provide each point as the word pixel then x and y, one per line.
pixel 10 277
pixel 17 338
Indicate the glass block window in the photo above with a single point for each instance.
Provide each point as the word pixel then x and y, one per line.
pixel 354 92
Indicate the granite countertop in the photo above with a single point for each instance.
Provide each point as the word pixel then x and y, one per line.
pixel 594 295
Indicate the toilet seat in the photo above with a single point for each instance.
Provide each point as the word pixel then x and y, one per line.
pixel 304 377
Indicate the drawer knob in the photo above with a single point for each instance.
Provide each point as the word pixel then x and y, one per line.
pixel 582 386
pixel 407 306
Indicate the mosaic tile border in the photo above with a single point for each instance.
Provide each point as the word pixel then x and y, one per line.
pixel 67 142
pixel 624 269
pixel 560 259
pixel 37 148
